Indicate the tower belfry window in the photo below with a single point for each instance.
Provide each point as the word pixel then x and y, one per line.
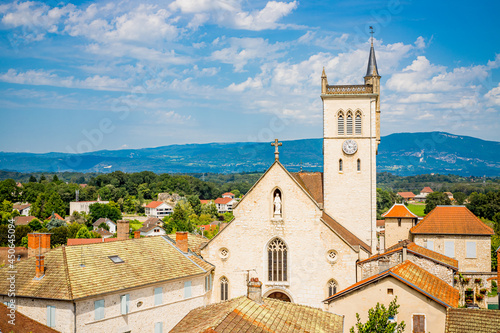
pixel 359 164
pixel 357 124
pixel 341 165
pixel 349 124
pixel 341 124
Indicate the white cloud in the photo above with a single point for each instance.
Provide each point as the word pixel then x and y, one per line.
pixel 493 96
pixel 41 77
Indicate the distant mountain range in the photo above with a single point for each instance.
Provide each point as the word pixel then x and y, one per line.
pixel 401 153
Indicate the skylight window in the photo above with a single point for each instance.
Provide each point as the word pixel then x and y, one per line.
pixel 116 259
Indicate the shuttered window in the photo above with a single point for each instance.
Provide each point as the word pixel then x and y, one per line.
pixel 158 296
pixel 358 124
pixel 349 124
pixel 418 324
pixel 341 124
pixel 124 303
pixel 471 250
pixel 187 289
pixel 51 316
pixel 449 249
pixel 99 309
pixel 159 327
pixel 430 245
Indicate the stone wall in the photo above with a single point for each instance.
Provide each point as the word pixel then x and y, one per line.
pixel 395 232
pixel 467 281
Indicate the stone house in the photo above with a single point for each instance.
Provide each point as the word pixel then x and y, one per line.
pixel 457 233
pixel 423 298
pixel 139 285
pixel 435 263
pixel 398 222
pixel 158 209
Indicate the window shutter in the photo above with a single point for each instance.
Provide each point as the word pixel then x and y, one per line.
pixel 358 124
pixel 158 296
pixel 349 124
pixel 124 303
pixel 51 316
pixel 99 309
pixel 471 249
pixel 430 245
pixel 187 289
pixel 418 323
pixel 341 124
pixel 159 327
pixel 449 249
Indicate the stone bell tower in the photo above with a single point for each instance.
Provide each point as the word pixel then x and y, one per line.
pixel 351 134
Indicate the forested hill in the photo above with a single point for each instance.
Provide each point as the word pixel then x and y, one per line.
pixel 401 154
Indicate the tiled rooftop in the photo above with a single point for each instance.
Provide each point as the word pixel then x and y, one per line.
pixel 416 278
pixel 472 320
pixel 399 210
pixel 451 220
pixel 23 324
pixel 75 272
pixel 244 315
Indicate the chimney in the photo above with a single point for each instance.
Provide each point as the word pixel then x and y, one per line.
pixel 40 266
pixel 255 290
pixel 137 234
pixel 405 252
pixel 38 243
pixel 122 230
pixel 181 240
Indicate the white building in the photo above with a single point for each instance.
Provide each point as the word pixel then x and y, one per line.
pixel 24 208
pixel 158 209
pixel 83 206
pixel 109 223
pixel 225 204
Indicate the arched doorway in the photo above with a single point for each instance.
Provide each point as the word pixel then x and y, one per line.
pixel 279 296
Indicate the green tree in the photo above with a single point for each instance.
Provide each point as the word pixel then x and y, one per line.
pixel 385 200
pixel 435 199
pixel 42 178
pixel 210 209
pixel 4 232
pixel 55 179
pixel 110 211
pixel 195 203
pixel 24 242
pixel 379 320
pixel 59 235
pixel 83 233
pixel 38 208
pixel 495 243
pixel 496 223
pixel 54 223
pixel 8 190
pixel 73 229
pixel 20 232
pixel 35 224
pixel 460 197
pixel 32 179
pixel 55 205
pixel 104 226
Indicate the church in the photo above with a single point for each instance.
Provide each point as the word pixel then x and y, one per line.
pixel 302 234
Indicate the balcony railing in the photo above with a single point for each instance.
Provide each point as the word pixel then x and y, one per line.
pixel 349 89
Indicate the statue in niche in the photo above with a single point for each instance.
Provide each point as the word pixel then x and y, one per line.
pixel 277 204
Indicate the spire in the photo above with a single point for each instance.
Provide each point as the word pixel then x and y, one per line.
pixel 323 75
pixel 372 70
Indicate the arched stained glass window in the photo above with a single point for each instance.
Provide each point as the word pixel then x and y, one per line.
pixel 277 253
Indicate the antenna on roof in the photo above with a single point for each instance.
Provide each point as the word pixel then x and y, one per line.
pixel 248 273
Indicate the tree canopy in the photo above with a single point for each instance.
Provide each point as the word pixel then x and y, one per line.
pixel 380 320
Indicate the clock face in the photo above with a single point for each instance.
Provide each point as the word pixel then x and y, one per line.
pixel 350 147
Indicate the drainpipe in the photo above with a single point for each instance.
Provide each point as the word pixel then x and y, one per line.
pixel 74 315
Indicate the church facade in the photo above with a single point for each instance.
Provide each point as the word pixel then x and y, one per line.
pixel 301 234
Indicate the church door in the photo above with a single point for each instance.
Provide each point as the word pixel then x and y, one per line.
pixel 279 296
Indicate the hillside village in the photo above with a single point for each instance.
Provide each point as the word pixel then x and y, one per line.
pixel 295 252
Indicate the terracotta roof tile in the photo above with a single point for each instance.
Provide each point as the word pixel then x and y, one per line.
pixel 146 260
pixel 416 278
pixel 472 320
pixel 399 210
pixel 223 201
pixel 23 324
pixel 154 204
pixel 244 315
pixel 406 194
pixel 344 233
pixel 380 223
pixel 417 250
pixel 204 202
pixel 451 220
pixel 312 182
pixel 21 206
pixel 23 220
pixel 427 189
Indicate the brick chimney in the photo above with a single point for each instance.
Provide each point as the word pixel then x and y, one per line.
pixel 122 231
pixel 40 266
pixel 255 290
pixel 38 243
pixel 137 234
pixel 181 240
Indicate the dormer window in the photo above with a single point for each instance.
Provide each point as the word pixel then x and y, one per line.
pixel 116 259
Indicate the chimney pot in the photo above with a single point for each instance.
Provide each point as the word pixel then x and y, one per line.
pixel 255 290
pixel 137 234
pixel 181 240
pixel 38 243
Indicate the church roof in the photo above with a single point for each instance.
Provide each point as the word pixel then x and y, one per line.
pixel 372 69
pixel 399 210
pixel 348 236
pixel 451 220
pixel 242 314
pixel 312 182
pixel 415 277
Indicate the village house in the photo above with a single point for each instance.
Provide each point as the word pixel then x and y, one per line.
pixel 23 220
pixel 23 208
pixel 108 222
pixel 228 195
pixel 422 296
pixel 407 196
pixel 20 323
pixel 225 204
pixel 158 209
pixel 83 206
pixel 423 194
pixel 112 286
pixel 152 227
pixel 398 222
pixel 457 233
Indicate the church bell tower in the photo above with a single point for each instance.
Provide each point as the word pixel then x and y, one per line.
pixel 351 135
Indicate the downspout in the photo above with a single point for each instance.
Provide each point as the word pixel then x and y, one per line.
pixel 74 315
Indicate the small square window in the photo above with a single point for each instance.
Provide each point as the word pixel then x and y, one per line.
pixel 390 291
pixel 116 259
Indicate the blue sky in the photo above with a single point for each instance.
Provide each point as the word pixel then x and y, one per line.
pixel 83 76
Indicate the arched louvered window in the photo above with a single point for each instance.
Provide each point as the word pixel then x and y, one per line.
pixel 341 165
pixel 224 289
pixel 332 288
pixel 359 164
pixel 349 124
pixel 341 123
pixel 357 123
pixel 277 260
